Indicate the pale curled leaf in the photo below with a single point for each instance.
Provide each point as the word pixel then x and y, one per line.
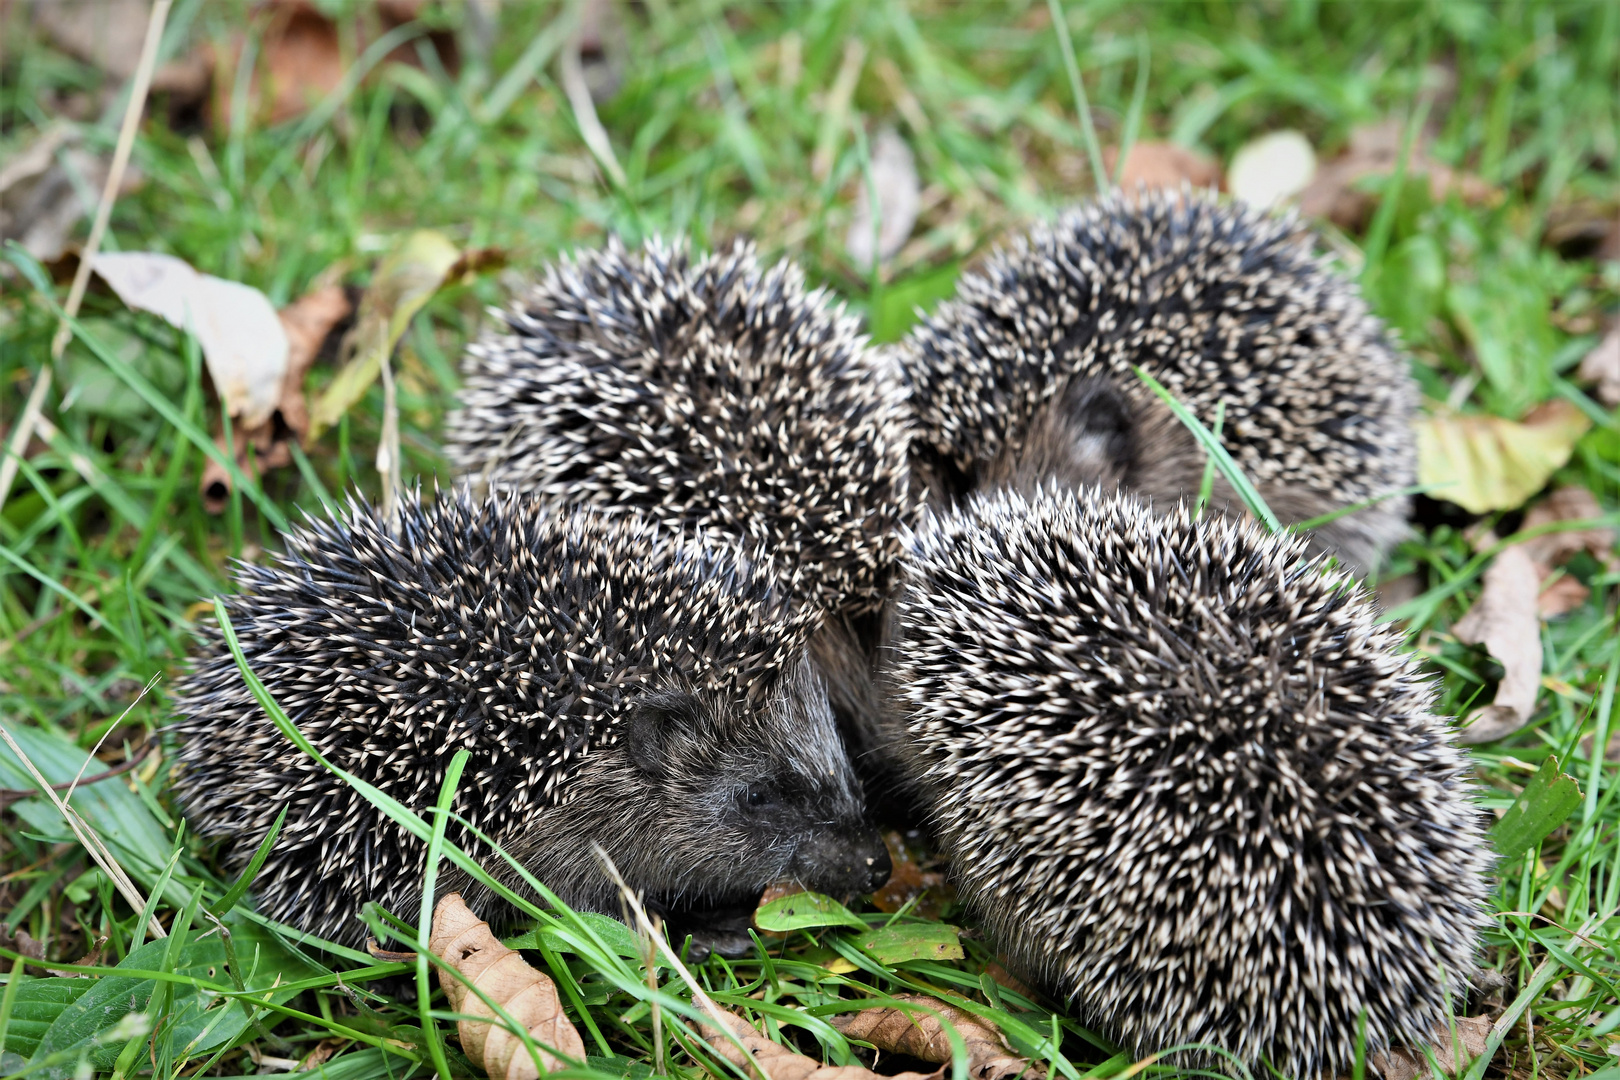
pixel 1485 463
pixel 1504 619
pixel 1452 1050
pixel 899 195
pixel 404 281
pixel 242 339
pixel 921 1034
pixel 463 941
pixel 307 322
pixel 1271 169
pixel 781 1063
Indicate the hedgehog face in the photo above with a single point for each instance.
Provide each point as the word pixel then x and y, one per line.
pixel 734 801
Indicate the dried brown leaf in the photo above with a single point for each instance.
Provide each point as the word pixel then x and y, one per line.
pixel 463 941
pixel 106 34
pixel 1505 620
pixel 1374 150
pixel 922 1035
pixel 1561 596
pixel 1452 1051
pixel 42 189
pixel 1163 165
pixel 1601 367
pixel 923 883
pixel 1569 503
pixel 781 1063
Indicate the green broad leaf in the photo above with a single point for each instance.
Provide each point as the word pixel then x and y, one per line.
pixel 896 310
pixel 911 941
pixel 805 910
pixel 1485 463
pixel 1545 803
pixel 614 934
pixel 405 280
pixel 40 1000
pixel 200 1021
pixel 116 813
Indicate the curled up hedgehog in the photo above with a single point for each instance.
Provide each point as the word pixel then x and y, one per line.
pixel 617 682
pixel 710 393
pixel 1025 377
pixel 1186 778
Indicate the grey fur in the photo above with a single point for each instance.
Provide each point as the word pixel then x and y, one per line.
pixel 1187 778
pixel 616 681
pixel 1026 373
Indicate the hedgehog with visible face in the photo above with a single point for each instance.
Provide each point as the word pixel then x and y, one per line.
pixel 1187 779
pixel 1025 377
pixel 710 393
pixel 618 683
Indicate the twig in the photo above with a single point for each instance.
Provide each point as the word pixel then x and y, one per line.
pixel 572 76
pixel 81 276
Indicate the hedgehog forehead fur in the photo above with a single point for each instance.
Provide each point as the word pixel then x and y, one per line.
pixel 1220 303
pixel 708 391
pixel 1187 778
pixel 539 641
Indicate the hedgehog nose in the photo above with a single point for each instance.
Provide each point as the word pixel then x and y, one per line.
pixel 857 862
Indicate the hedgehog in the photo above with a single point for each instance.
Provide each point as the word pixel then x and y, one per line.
pixel 616 682
pixel 711 393
pixel 1025 376
pixel 1185 777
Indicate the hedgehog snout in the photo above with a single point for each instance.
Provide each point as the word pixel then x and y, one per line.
pixel 843 861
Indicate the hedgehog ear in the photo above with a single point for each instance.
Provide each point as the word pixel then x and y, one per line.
pixel 658 725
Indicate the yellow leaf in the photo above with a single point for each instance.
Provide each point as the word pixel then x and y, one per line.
pixel 1486 463
pixel 404 281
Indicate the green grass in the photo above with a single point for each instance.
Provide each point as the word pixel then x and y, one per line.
pixel 107 556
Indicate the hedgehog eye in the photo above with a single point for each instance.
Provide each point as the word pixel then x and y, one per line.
pixel 760 797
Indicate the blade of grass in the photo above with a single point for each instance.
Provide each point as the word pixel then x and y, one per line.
pixel 424 925
pixel 1060 22
pixel 1206 486
pixel 1212 446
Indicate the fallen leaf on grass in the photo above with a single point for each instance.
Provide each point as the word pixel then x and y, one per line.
pixel 404 281
pixel 780 1063
pixel 1374 150
pixel 803 911
pixel 912 881
pixel 44 188
pixel 921 1035
pixel 1545 803
pixel 1484 463
pixel 1562 595
pixel 1271 169
pixel 1452 1052
pixel 1163 165
pixel 1601 368
pixel 242 341
pixel 463 941
pixel 894 177
pixel 1569 503
pixel 299 56
pixel 307 322
pixel 911 941
pixel 106 34
pixel 1504 619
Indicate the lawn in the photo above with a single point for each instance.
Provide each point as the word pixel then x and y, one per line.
pixel 1489 239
